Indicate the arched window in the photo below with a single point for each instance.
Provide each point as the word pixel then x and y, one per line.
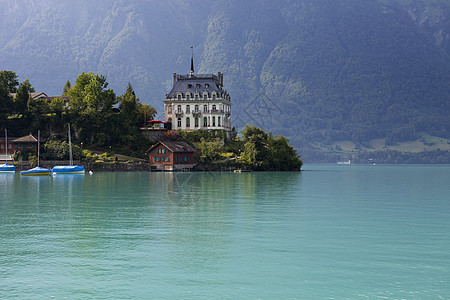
pixel 214 121
pixel 196 122
pixel 179 122
pixel 218 121
pixel 188 122
pixel 205 122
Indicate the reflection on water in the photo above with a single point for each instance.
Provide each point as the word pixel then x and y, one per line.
pixel 309 235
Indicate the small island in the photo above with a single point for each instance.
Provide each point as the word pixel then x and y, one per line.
pixel 119 133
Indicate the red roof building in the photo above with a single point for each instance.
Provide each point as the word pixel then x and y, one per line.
pixel 171 156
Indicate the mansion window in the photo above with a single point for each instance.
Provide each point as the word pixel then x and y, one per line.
pixel 179 122
pixel 188 96
pixel 169 109
pixel 205 108
pixel 205 122
pixel 188 122
pixel 188 109
pixel 196 107
pixel 179 108
pixel 218 121
pixel 179 96
pixel 214 107
pixel 196 122
pixel 214 121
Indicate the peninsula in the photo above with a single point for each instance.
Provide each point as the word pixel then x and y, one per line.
pixel 119 132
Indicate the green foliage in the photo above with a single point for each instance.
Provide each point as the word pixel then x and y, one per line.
pixel 208 150
pixel 66 88
pixel 25 155
pixel 196 136
pixel 90 95
pixel 8 79
pixel 5 105
pixel 22 96
pixel 38 110
pixel 262 151
pixel 88 154
pixel 91 108
pixel 33 159
pixel 59 150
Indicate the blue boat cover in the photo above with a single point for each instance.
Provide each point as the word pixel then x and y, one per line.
pixel 68 169
pixel 36 170
pixel 7 168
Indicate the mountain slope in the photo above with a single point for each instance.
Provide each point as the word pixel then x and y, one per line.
pixel 317 71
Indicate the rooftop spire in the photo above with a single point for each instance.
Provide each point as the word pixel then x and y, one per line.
pixel 192 61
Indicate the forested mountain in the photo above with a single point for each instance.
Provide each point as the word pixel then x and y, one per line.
pixel 317 71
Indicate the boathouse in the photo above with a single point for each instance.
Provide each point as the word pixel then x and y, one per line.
pixel 171 156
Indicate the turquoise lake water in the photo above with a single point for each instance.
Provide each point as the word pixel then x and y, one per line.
pixel 328 232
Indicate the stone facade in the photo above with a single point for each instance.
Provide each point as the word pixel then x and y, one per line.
pixel 198 102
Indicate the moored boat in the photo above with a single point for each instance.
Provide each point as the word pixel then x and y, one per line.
pixel 5 168
pixel 37 171
pixel 68 170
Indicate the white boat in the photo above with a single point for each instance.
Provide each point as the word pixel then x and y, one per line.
pixel 71 169
pixel 37 171
pixel 6 168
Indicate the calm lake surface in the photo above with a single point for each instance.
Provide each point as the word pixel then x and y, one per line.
pixel 328 232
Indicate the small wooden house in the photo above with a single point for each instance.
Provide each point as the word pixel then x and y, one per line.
pixel 171 156
pixel 25 143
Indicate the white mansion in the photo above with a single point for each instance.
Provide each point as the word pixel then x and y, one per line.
pixel 198 102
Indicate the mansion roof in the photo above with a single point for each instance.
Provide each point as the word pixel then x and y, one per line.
pixel 196 83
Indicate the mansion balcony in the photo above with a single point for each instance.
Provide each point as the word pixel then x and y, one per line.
pixel 179 113
pixel 217 111
pixel 196 113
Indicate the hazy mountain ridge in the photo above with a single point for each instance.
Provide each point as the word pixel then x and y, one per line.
pixel 332 70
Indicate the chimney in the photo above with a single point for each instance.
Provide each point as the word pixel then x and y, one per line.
pixel 220 75
pixel 175 78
